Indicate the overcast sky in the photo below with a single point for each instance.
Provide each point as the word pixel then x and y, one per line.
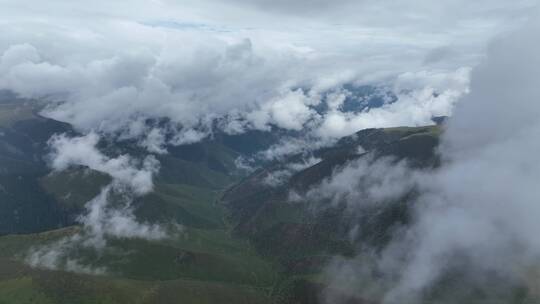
pixel 114 63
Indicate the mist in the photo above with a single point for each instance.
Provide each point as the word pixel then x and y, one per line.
pixel 109 215
pixel 161 73
pixel 476 216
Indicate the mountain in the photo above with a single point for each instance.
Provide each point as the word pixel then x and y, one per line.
pixel 39 208
pixel 304 238
pixel 26 206
pixel 243 238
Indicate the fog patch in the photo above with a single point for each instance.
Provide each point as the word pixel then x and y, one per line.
pixel 280 176
pixel 82 151
pixel 365 182
pixel 107 216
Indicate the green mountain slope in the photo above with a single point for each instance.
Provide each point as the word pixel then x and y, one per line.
pixel 303 236
pixel 241 240
pixel 198 264
pixel 20 284
pixel 202 263
pixel 24 205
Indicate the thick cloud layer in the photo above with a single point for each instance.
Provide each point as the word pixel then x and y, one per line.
pixel 477 215
pixel 483 203
pixel 229 82
pixel 110 68
pixel 102 220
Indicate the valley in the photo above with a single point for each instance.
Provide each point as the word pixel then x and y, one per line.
pixel 232 237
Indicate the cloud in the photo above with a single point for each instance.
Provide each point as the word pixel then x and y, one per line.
pixel 82 151
pixel 190 67
pixel 102 219
pixel 131 178
pixel 17 55
pixel 114 69
pixel 419 96
pixel 209 78
pixel 109 214
pixel 288 146
pixel 413 99
pixel 482 203
pixel 307 7
pixel 55 257
pixel 365 183
pixel 289 111
pixel 155 141
pixel 279 176
pixel 414 17
pixel 476 216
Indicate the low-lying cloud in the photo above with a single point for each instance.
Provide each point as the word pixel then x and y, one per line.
pixel 230 83
pixel 108 215
pixel 55 256
pixel 366 183
pixel 476 215
pixel 482 202
pixel 175 81
pixel 82 151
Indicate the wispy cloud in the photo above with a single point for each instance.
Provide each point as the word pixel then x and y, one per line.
pixel 109 214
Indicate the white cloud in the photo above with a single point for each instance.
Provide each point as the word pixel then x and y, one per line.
pixel 186 63
pixel 155 141
pixel 420 97
pixel 109 214
pixel 279 176
pixel 114 65
pixel 102 220
pixel 291 111
pixel 482 203
pixel 188 136
pixel 83 151
pixel 476 215
pixel 365 183
pixel 18 54
pixel 289 146
pixel 54 257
